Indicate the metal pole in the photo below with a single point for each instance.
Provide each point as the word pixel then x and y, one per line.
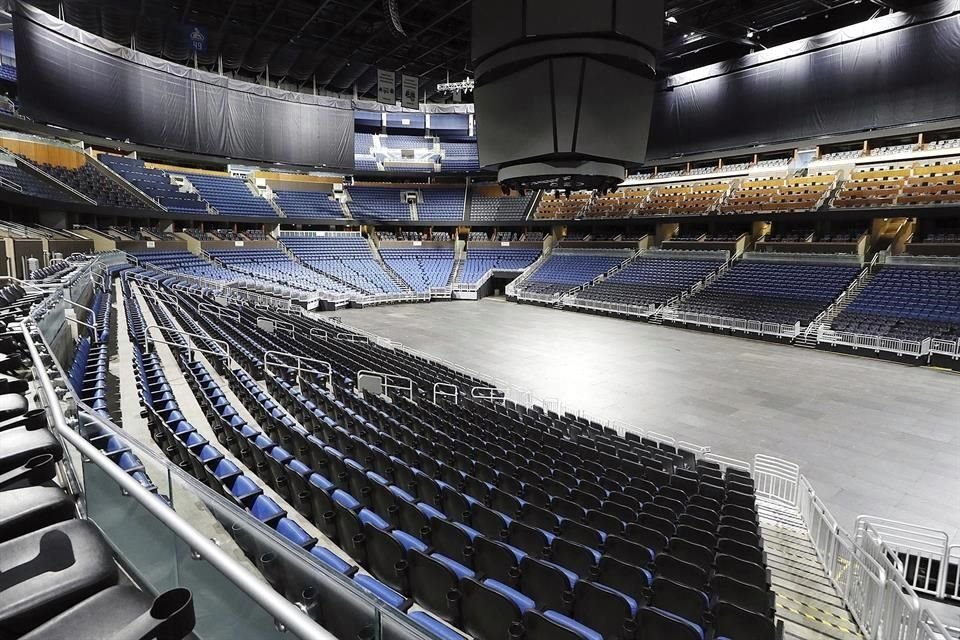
pixel 260 592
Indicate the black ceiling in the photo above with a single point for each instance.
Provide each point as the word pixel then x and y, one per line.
pixel 341 43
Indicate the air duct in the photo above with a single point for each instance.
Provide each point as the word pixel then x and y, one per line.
pixel 564 89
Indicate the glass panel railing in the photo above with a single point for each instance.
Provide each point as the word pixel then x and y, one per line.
pixel 236 566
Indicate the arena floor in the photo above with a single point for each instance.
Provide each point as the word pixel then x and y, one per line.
pixel 872 437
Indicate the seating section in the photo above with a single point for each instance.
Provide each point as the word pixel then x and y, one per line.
pixel 380 203
pixel 804 193
pixel 698 197
pixel 652 279
pixel 781 292
pixel 562 207
pixel 479 261
pixel 441 204
pixel 308 205
pixel 566 270
pixel 156 184
pixel 184 262
pixel 489 516
pixel 460 156
pixel 625 202
pixel 872 187
pixel 932 183
pixel 274 269
pixel 405 142
pixel 94 184
pixel 345 258
pixel 906 302
pixel 485 208
pixel 230 196
pixel 13 178
pixel 58 574
pixel 423 268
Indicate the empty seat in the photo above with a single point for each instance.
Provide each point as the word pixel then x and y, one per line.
pixel 653 624
pixel 45 572
pixel 490 610
pixel 552 625
pixel 608 611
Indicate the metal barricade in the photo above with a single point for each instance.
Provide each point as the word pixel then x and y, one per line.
pixel 220 312
pixel 446 390
pixel 487 393
pixel 776 479
pixel 190 347
pixel 272 325
pixel 276 359
pixel 388 382
pixel 920 554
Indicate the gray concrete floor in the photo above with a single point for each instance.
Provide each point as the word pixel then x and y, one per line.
pixel 872 437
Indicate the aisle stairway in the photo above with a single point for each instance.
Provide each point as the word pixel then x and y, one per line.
pixel 807 602
pixel 387 269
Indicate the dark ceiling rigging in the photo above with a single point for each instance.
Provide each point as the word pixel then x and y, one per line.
pixel 338 44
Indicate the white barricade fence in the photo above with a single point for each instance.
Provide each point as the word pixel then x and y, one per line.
pixel 945 347
pixel 300 364
pixel 863 569
pixel 387 382
pixel 222 313
pixel 915 348
pixel 733 324
pixel 920 554
pixel 777 480
pixel 446 390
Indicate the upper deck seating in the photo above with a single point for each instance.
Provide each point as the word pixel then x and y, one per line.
pixel 484 208
pixel 384 203
pixel 562 207
pixel 309 204
pixel 687 198
pixel 803 193
pixel 626 201
pixel 156 184
pixel 441 204
pixel 872 187
pixel 231 196
pixel 20 180
pixel 90 182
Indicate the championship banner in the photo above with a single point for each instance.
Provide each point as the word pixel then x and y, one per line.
pixel 411 90
pixel 386 86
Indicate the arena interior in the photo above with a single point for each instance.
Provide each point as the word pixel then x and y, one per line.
pixel 503 320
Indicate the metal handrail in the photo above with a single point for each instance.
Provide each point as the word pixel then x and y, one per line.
pixel 286 613
pixel 190 348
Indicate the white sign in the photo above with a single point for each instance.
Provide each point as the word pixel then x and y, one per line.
pixel 411 89
pixel 238 243
pixel 417 243
pixel 151 244
pixel 386 86
pixel 504 244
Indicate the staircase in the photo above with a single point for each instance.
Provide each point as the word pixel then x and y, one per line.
pixel 393 275
pixel 807 602
pixel 808 338
pixel 455 272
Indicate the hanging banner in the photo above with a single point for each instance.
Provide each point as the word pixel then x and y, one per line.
pixel 386 86
pixel 411 91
